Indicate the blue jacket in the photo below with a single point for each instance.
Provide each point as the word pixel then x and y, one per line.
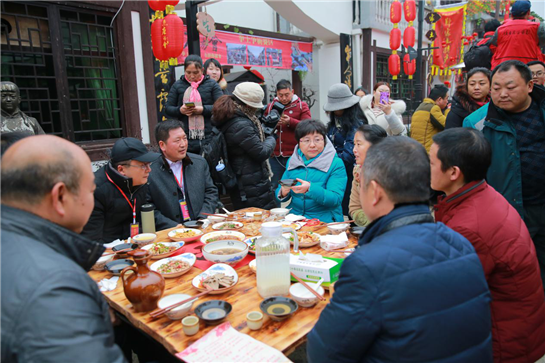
pixel 413 291
pixel 475 120
pixel 327 177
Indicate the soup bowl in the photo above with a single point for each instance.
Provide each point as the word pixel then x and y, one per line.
pixel 213 312
pixel 229 252
pixel 278 308
pixel 143 239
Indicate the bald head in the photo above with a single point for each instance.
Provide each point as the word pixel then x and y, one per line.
pixel 39 172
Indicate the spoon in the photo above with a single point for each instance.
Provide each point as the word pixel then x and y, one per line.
pixel 317 284
pixel 226 211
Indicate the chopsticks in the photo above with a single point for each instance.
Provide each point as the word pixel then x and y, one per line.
pixel 320 297
pixel 158 313
pixel 215 215
pixel 334 223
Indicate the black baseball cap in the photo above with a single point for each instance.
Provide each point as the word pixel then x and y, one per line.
pixel 520 7
pixel 129 148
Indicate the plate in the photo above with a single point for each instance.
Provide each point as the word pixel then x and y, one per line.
pixel 229 235
pixel 224 226
pixel 314 239
pixel 217 268
pixel 172 235
pixel 293 218
pixel 187 257
pixel 178 245
pixel 288 224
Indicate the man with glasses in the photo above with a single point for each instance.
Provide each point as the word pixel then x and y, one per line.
pixel 120 193
pixel 538 72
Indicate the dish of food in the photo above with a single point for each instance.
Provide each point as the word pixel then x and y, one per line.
pixel 221 275
pixel 251 241
pixel 287 224
pixel 252 229
pixel 222 236
pixel 160 250
pixel 306 239
pixel 185 234
pixel 174 266
pixel 226 226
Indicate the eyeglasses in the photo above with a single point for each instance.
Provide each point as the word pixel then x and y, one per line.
pixel 316 141
pixel 145 166
pixel 538 74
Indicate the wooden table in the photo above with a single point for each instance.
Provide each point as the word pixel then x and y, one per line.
pixel 284 336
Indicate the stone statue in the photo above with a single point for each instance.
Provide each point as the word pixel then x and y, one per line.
pixel 13 119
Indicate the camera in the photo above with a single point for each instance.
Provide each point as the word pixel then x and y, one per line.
pixel 270 121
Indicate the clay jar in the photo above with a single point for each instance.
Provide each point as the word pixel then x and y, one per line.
pixel 144 287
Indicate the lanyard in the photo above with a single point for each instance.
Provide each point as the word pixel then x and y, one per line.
pixel 181 185
pixel 127 199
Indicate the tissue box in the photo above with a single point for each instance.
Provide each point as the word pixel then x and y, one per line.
pixel 308 271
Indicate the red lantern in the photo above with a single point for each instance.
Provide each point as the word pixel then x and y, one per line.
pixel 174 34
pixel 395 12
pixel 409 66
pixel 159 51
pixel 409 36
pixel 394 65
pixel 160 5
pixel 409 6
pixel 395 38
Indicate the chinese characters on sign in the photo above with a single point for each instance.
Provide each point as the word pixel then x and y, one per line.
pixel 347 75
pixel 449 30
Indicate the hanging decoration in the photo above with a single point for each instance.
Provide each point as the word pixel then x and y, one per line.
pixel 409 35
pixel 167 39
pixel 395 39
pixel 409 66
pixel 450 29
pixel 160 6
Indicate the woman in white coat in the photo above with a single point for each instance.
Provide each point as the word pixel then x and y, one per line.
pixel 386 114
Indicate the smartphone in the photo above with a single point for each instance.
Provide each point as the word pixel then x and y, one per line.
pixel 189 104
pixel 288 182
pixel 384 98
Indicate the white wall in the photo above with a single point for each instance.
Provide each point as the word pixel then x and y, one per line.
pixel 329 61
pixel 334 15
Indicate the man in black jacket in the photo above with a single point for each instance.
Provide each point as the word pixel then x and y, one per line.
pixel 121 191
pixel 52 311
pixel 180 184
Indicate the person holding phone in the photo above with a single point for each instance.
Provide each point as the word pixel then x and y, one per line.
pixel 381 110
pixel 190 100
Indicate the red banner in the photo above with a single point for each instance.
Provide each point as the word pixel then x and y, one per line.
pixel 237 49
pixel 450 29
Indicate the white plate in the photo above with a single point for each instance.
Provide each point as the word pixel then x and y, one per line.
pixel 217 226
pixel 238 235
pixel 301 244
pixel 293 218
pixel 187 257
pixel 198 234
pixel 168 244
pixel 288 224
pixel 217 268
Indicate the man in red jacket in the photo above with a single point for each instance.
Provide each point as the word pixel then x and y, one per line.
pixel 519 38
pixel 459 161
pixel 295 111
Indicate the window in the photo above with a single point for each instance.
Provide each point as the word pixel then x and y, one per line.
pixel 71 85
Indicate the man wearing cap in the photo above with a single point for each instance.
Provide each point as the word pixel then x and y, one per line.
pixel 121 190
pixel 519 38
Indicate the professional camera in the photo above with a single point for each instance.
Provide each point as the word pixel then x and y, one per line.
pixel 270 121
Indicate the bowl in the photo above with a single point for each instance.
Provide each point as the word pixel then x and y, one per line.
pixel 213 312
pixel 124 246
pixel 278 308
pixel 101 262
pixel 224 226
pixel 303 297
pixel 221 236
pixel 185 235
pixel 338 228
pixel 189 258
pixel 116 266
pixel 143 239
pixel 217 218
pixel 210 251
pixel 179 312
pixel 280 212
pixel 173 246
pixel 212 270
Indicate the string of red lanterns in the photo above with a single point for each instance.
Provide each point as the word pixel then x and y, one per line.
pixel 394 63
pixel 409 36
pixel 167 33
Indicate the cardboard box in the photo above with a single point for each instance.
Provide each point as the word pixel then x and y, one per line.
pixel 309 271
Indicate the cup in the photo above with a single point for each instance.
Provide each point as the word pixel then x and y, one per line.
pixel 254 320
pixel 258 216
pixel 190 325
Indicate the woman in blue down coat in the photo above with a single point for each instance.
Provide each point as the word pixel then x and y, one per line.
pixel 320 174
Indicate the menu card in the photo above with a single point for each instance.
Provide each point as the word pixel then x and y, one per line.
pixel 225 344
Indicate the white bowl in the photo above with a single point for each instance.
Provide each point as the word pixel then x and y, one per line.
pixel 338 228
pixel 143 239
pixel 280 212
pixel 216 219
pixel 179 312
pixel 102 261
pixel 253 266
pixel 224 235
pixel 303 297
pixel 231 259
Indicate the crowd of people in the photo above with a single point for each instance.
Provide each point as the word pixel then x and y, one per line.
pixel 450 267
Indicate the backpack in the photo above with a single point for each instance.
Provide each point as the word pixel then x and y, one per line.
pixel 478 56
pixel 214 151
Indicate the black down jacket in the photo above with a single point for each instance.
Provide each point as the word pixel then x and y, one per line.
pixel 209 90
pixel 248 156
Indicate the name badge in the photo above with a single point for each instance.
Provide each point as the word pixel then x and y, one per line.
pixel 135 228
pixel 184 209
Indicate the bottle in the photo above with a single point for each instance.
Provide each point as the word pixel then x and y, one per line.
pixel 148 218
pixel 273 260
pixel 227 178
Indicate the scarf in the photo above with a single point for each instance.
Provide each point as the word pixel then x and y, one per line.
pixel 196 122
pixel 481 104
pixel 250 113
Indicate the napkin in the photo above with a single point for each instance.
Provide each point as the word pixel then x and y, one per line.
pixel 205 223
pixel 113 243
pixel 293 217
pixel 108 284
pixel 311 257
pixel 334 242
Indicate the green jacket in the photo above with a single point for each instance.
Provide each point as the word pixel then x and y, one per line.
pixel 504 173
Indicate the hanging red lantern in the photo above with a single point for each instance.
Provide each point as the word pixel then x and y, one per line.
pixel 409 36
pixel 394 65
pixel 159 51
pixel 161 5
pixel 395 38
pixel 174 35
pixel 395 12
pixel 409 66
pixel 409 6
